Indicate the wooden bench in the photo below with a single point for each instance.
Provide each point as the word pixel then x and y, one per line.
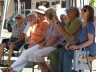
pixel 91 59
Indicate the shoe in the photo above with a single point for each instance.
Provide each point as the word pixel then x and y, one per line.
pixel 6 64
pixel 5 70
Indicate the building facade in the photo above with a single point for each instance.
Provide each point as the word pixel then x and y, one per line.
pixel 33 4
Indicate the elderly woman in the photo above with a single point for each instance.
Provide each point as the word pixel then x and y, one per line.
pixel 52 39
pixel 86 39
pixel 64 20
pixel 16 40
pixel 37 52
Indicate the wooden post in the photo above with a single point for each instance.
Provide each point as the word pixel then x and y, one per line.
pixel 75 3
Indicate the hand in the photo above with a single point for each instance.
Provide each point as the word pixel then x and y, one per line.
pixel 10 43
pixel 30 45
pixel 74 47
pixel 55 18
pixel 67 46
pixel 41 47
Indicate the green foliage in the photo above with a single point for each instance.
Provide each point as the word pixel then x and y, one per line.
pixel 92 3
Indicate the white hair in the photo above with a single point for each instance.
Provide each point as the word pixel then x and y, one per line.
pixel 33 13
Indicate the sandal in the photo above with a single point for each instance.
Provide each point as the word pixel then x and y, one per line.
pixel 6 64
pixel 5 70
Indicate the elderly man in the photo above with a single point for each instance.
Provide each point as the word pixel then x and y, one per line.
pixel 37 30
pixel 69 32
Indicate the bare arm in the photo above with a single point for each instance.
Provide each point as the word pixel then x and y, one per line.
pixel 21 37
pixel 61 29
pixel 84 45
pixel 52 41
pixel 90 40
pixel 10 39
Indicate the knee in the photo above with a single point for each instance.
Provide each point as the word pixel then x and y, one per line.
pixel 36 54
pixel 62 53
pixel 30 53
pixel 11 46
pixel 3 45
pixel 51 53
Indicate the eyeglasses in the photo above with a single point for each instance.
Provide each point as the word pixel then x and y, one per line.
pixel 18 18
pixel 84 10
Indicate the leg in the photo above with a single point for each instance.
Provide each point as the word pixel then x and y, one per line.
pixel 2 49
pixel 41 65
pixel 23 59
pixel 20 62
pixel 11 50
pixel 39 57
pixel 60 67
pixel 67 63
pixel 54 59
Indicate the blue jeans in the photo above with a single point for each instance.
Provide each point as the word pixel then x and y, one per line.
pixel 65 61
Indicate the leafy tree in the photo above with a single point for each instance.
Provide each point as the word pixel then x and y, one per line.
pixel 91 2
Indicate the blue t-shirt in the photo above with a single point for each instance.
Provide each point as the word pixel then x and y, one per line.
pixel 83 37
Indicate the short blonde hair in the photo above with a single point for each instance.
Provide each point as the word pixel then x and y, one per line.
pixel 49 12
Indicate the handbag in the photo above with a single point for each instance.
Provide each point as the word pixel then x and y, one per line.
pixel 81 60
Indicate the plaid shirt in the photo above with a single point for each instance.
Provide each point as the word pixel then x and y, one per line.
pixel 16 31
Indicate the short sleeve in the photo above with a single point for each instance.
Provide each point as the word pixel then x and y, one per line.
pixel 22 28
pixel 26 28
pixel 90 28
pixel 73 27
pixel 55 31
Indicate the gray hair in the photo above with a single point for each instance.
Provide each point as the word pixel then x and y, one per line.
pixel 74 9
pixel 63 15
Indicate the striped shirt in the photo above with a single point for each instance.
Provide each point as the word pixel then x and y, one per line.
pixel 16 31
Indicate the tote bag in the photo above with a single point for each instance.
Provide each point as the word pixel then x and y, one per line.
pixel 81 61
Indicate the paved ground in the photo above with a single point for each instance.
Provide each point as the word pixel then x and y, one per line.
pixel 28 67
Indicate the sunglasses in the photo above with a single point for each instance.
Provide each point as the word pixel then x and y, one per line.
pixel 84 10
pixel 18 18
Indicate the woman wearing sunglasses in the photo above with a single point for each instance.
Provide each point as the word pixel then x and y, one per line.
pixel 16 40
pixel 86 38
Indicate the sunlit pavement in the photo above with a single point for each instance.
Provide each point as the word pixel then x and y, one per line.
pixel 28 67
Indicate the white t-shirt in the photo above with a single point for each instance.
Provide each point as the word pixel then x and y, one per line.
pixel 26 28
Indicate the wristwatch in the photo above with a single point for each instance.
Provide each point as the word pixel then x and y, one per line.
pixel 57 22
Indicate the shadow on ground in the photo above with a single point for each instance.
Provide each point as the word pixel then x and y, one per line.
pixel 16 55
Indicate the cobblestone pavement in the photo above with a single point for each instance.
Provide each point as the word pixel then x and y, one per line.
pixel 28 67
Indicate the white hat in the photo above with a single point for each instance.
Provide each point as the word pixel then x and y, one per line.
pixel 41 10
